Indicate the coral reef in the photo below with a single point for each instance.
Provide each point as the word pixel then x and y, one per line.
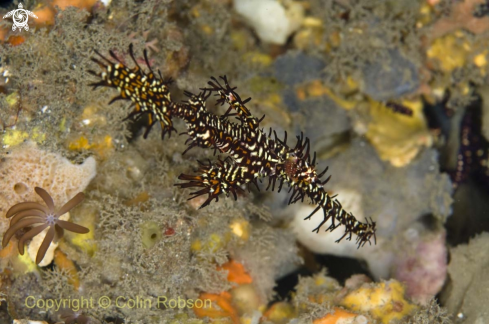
pixel 359 301
pixel 391 95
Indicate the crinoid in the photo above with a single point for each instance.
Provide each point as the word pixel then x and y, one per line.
pixel 251 153
pixel 40 217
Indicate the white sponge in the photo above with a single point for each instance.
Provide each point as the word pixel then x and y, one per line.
pixel 271 20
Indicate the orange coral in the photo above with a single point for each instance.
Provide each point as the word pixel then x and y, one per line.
pixel 82 4
pixel 16 40
pixel 63 263
pixel 222 304
pixel 45 16
pixel 7 251
pixel 223 300
pixel 3 34
pixel 338 316
pixel 236 273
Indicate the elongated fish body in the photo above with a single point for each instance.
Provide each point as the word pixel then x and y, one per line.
pixel 252 154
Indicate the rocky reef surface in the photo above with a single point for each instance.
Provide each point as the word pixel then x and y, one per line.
pixel 393 96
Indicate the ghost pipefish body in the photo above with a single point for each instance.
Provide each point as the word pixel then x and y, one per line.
pixel 252 154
